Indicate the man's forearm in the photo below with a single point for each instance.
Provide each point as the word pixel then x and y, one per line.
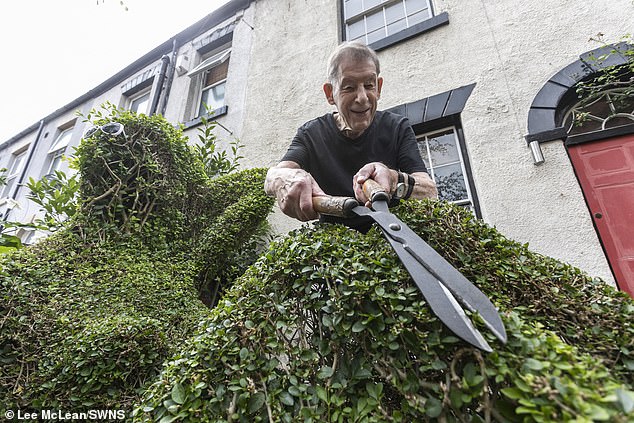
pixel 424 187
pixel 278 176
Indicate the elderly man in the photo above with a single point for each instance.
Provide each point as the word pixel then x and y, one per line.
pixel 336 153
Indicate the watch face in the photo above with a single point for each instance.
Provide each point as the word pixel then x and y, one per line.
pixel 400 190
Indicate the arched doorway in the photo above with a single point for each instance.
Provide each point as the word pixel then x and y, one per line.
pixel 601 149
pixel 598 133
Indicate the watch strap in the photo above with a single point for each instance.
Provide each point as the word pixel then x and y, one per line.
pixel 410 185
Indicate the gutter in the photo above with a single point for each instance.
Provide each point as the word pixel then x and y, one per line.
pixel 159 86
pixel 170 78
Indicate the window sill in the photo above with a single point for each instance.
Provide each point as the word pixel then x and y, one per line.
pixel 428 25
pixel 212 115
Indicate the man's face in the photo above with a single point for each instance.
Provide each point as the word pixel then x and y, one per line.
pixel 357 93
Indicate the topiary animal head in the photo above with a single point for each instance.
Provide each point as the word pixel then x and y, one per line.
pixel 136 167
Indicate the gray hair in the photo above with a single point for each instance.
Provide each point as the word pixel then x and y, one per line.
pixel 350 49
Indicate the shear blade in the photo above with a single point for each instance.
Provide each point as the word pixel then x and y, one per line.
pixel 440 300
pixel 454 287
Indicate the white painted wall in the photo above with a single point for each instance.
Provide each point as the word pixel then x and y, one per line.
pixel 508 48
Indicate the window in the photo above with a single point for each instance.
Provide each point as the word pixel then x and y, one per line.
pixel 213 78
pixel 140 103
pixel 442 152
pixel 58 148
pixel 610 109
pixel 14 169
pixel 371 21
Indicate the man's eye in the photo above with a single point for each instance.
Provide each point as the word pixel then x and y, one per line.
pixel 369 86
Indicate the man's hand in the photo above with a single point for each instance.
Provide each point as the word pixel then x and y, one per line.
pixel 294 189
pixel 424 186
pixel 380 173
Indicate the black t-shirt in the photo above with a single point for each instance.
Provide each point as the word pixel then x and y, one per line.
pixel 321 149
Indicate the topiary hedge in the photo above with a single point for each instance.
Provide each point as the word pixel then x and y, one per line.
pixel 327 326
pixel 88 316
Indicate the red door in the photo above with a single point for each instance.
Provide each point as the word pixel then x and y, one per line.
pixel 605 170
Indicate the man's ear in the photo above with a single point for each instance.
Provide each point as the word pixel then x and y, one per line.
pixel 329 91
pixel 379 84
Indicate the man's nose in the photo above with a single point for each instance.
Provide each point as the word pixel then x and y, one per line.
pixel 362 96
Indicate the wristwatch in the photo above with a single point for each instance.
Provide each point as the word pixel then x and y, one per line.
pixel 401 188
pixel 404 186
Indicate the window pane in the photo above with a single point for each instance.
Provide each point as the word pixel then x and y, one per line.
pixel 16 164
pixel 380 18
pixel 450 182
pixel 415 5
pixel 14 170
pixel 444 149
pixel 422 149
pixel 356 30
pixel 367 4
pixel 394 12
pixel 418 17
pixel 376 35
pixel 55 163
pixel 396 27
pixel 374 21
pixel 140 104
pixel 62 140
pixel 611 109
pixel 213 97
pixel 8 188
pixel 352 8
pixel 217 73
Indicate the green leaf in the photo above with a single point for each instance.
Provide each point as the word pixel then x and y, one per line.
pixel 325 372
pixel 359 326
pixel 625 399
pixel 433 408
pixel 286 398
pixel 512 393
pixel 244 353
pixel 178 393
pixel 322 394
pixel 533 364
pixel 256 401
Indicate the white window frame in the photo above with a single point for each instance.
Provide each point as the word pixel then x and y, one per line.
pixel 372 7
pixel 136 97
pixel 58 148
pixel 16 164
pixel 422 138
pixel 200 95
pixel 200 71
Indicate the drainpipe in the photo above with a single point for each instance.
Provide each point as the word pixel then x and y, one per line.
pixel 25 168
pixel 170 78
pixel 161 78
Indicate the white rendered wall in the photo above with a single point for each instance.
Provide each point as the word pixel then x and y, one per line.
pixel 508 48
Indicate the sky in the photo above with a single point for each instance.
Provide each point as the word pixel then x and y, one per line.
pixel 53 51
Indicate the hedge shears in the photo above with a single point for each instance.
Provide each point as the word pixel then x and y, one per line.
pixel 442 285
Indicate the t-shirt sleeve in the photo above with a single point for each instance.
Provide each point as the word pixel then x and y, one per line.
pixel 298 151
pixel 409 158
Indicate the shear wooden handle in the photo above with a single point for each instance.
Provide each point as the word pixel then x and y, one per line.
pixel 374 191
pixel 342 206
pixel 335 206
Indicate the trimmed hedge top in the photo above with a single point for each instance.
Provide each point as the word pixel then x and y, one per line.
pixel 327 326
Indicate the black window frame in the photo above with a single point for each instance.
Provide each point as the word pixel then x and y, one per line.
pixel 437 20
